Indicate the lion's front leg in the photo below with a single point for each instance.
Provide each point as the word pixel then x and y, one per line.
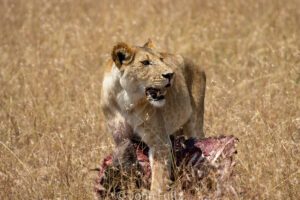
pixel 161 159
pixel 119 128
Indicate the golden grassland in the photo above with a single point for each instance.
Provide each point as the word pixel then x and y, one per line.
pixel 51 52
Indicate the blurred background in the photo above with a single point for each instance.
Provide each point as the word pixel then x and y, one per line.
pixel 51 56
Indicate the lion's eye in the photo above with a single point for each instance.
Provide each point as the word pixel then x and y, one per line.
pixel 146 62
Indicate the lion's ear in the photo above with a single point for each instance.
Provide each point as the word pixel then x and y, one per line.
pixel 122 54
pixel 149 44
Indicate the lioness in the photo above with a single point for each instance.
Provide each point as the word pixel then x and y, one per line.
pixel 153 95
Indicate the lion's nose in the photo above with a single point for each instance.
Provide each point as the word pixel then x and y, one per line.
pixel 168 76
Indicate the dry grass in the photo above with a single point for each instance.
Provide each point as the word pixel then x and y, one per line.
pixel 51 130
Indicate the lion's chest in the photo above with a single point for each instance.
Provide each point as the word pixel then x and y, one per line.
pixel 176 113
pixel 153 120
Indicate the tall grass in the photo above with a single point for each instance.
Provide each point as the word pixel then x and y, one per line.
pixel 51 56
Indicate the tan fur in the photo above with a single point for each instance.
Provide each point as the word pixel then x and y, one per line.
pixel 128 111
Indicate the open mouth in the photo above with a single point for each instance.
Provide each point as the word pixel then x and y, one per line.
pixel 154 94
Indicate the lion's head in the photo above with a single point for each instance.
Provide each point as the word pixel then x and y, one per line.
pixel 143 72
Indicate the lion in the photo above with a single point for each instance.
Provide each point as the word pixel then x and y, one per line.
pixel 152 95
